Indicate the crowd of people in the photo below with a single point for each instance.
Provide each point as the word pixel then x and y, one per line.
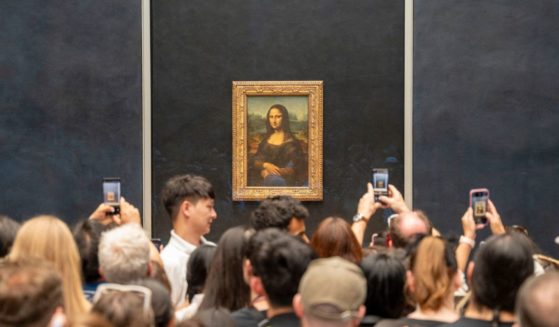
pixel 105 271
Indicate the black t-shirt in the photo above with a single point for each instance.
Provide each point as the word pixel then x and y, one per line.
pixel 469 322
pixel 408 322
pixel 248 317
pixel 282 320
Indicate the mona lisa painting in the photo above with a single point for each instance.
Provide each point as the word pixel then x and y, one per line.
pixel 277 140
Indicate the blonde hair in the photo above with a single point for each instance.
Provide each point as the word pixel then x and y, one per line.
pixel 48 237
pixel 433 266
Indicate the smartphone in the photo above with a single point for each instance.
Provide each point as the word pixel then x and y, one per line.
pixel 379 180
pixel 111 193
pixel 478 201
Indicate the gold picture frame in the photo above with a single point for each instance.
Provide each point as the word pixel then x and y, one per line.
pixel 273 155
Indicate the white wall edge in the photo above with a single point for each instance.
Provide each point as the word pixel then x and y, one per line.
pixel 146 116
pixel 408 103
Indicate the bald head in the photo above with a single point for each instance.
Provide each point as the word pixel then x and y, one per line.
pixel 538 301
pixel 406 225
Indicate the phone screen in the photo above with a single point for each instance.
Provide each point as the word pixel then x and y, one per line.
pixel 379 181
pixel 111 192
pixel 478 201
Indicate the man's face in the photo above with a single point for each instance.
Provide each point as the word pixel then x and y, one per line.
pixel 275 118
pixel 297 228
pixel 201 215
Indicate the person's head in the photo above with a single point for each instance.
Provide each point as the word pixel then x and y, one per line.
pixel 161 304
pixel 124 254
pixel 189 199
pixel 537 302
pixel 405 226
pixel 49 238
pixel 124 305
pixel 334 237
pixel 433 275
pixel 500 267
pixel 198 267
pixel 282 212
pixel 386 282
pixel 225 287
pixel 30 293
pixel 8 231
pixel 331 293
pixel 278 262
pixel 87 234
pixel 277 118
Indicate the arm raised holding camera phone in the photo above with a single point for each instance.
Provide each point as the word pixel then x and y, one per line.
pixel 367 207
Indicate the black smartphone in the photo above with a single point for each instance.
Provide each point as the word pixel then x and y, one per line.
pixel 478 201
pixel 111 193
pixel 379 180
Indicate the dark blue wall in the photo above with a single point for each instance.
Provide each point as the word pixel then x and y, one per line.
pixel 70 105
pixel 201 46
pixel 486 110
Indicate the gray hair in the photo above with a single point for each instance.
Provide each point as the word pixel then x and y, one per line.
pixel 124 254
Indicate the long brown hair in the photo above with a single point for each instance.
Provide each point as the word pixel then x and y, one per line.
pixel 433 265
pixel 333 237
pixel 49 238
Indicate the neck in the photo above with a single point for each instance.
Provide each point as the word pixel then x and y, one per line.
pixel 186 234
pixel 484 313
pixel 258 301
pixel 445 313
pixel 272 312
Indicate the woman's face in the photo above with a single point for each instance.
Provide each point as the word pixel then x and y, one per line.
pixel 275 118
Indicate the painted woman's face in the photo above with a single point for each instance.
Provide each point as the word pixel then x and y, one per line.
pixel 275 118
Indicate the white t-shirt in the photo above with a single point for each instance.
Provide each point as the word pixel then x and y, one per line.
pixel 175 258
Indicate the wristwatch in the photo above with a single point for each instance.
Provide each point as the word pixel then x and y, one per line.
pixel 359 217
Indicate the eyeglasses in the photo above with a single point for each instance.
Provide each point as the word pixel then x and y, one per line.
pixel 108 288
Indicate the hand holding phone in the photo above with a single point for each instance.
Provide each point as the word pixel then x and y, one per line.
pixel 111 193
pixel 479 198
pixel 379 180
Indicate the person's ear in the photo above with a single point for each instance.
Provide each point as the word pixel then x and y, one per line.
pixel 101 273
pixel 360 315
pixel 185 208
pixel 247 271
pixel 297 306
pixel 150 269
pixel 389 243
pixel 257 286
pixel 410 281
pixel 470 272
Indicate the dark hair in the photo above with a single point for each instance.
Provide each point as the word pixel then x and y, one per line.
pixel 502 264
pixel 399 240
pixel 184 187
pixel 277 212
pixel 334 237
pixel 87 234
pixel 30 292
pixel 161 304
pixel 285 125
pixel 386 281
pixel 225 287
pixel 280 260
pixel 198 267
pixel 8 231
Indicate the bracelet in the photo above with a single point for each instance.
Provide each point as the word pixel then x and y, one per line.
pixel 467 240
